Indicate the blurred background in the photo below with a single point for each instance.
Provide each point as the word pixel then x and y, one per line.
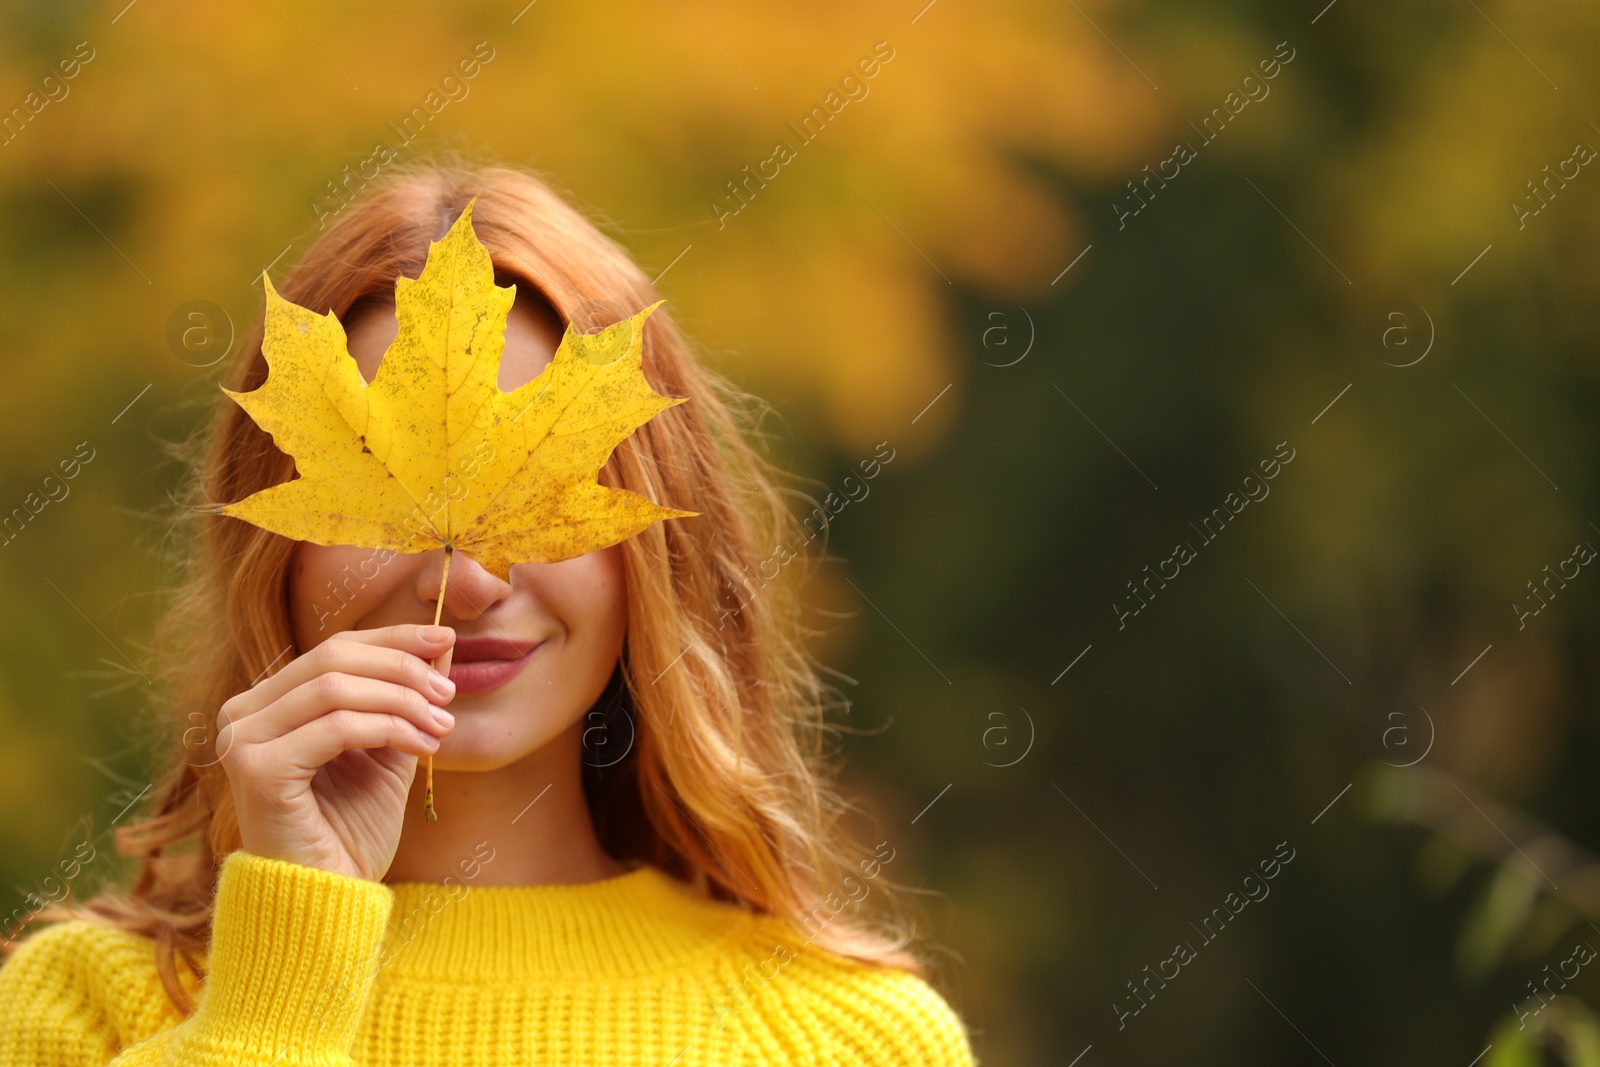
pixel 1238 365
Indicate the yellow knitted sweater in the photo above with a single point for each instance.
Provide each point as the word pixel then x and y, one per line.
pixel 309 967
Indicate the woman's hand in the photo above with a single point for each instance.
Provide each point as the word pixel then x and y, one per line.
pixel 321 755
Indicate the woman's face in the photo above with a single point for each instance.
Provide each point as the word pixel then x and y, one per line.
pixel 510 701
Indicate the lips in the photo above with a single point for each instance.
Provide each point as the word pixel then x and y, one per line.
pixel 479 664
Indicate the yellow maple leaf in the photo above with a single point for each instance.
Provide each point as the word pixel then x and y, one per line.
pixel 432 454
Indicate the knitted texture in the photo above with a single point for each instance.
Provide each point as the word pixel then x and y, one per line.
pixel 310 967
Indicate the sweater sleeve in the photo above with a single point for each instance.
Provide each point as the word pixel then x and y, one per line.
pixel 293 955
pixel 836 1010
pixel 901 1021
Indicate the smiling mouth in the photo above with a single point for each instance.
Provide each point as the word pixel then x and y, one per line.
pixel 480 664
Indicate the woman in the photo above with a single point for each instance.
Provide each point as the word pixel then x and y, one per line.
pixel 637 858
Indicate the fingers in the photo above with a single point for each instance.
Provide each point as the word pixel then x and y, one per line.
pixel 418 639
pixel 391 653
pixel 314 744
pixel 338 691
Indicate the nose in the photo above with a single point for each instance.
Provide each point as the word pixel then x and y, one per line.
pixel 469 589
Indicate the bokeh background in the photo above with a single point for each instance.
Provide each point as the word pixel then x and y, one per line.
pixel 1351 673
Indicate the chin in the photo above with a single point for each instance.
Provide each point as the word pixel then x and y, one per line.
pixel 474 758
pixel 488 741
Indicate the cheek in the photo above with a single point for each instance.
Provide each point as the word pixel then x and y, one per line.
pixel 612 593
pixel 589 595
pixel 331 589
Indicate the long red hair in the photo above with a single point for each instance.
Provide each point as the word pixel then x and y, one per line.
pixel 729 786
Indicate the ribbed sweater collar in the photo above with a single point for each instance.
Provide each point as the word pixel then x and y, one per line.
pixel 641 922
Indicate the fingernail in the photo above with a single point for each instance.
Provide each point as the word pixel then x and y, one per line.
pixel 443 687
pixel 443 718
pixel 436 635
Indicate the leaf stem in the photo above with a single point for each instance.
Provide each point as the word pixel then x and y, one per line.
pixel 428 814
